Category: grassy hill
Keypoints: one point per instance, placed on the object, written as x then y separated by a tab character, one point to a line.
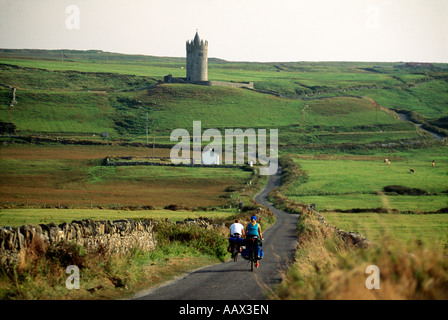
82	94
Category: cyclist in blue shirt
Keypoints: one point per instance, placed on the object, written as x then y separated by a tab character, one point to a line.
253	229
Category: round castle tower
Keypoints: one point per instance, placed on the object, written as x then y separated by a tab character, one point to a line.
197	52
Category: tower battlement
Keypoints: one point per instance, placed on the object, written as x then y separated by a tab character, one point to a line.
202	44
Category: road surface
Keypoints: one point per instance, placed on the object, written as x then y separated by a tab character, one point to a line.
234	280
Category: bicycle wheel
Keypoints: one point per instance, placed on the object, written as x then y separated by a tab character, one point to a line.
235	253
251	257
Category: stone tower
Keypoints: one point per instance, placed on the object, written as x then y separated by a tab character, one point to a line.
197	52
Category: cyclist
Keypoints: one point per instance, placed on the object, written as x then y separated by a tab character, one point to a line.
236	231
253	230
237	228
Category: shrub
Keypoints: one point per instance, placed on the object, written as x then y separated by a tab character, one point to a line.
67	253
207	241
401	190
176	207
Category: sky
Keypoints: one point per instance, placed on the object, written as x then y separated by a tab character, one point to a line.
236	30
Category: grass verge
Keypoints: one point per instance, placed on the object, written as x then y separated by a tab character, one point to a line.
327	268
431	230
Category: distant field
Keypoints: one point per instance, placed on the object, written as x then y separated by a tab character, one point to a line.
75	152
19	217
345	182
157	69
69	176
431	229
67	112
368	201
429	99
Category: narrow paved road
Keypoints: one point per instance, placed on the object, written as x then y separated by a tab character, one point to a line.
234	280
435	135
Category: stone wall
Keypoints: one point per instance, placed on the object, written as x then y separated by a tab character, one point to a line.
115	237
170	79
125	161
249	85
358	240
13	99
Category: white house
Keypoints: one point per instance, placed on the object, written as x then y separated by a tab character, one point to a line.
210	157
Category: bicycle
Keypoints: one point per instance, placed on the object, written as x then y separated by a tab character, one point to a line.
235	245
235	252
252	244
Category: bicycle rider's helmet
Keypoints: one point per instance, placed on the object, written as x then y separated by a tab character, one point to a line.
253	218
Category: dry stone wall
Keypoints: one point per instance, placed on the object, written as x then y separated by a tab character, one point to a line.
115	237
358	240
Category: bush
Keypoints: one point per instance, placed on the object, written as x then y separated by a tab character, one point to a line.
206	241
232	189
176	207
66	254
401	190
249	207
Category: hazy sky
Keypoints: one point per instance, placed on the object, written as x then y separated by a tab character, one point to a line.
240	30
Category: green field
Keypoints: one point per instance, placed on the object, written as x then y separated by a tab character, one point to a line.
428	99
74	176
349	191
430	229
347	182
19	217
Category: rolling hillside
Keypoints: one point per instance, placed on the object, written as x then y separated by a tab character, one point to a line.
83	94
